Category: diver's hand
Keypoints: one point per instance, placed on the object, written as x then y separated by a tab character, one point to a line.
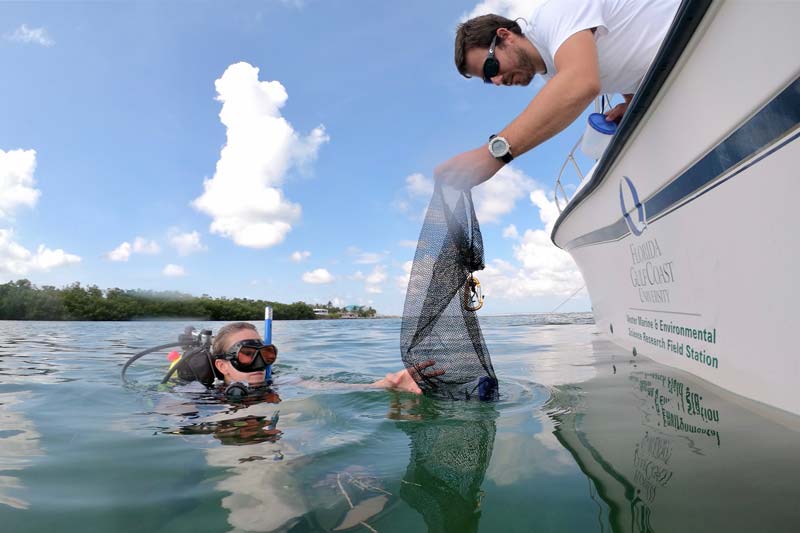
404	380
401	380
469	169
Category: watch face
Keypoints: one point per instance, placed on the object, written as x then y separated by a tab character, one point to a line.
498	147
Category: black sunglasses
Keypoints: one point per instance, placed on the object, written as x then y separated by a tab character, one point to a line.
491	66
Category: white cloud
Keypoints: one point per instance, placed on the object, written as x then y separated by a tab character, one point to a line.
543	268
511	232
173	271
373	283
418	185
402	205
17	189
416	195
548	212
507	8
540	268
493	199
16	260
27	35
369	258
120	253
143	246
503	280
300	256
16	181
402	281
498	196
365	258
318	277
186	243
407	244
244	197
140	245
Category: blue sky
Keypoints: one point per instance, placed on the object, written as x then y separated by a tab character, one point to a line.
280	150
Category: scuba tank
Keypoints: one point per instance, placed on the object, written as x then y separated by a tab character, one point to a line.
194	365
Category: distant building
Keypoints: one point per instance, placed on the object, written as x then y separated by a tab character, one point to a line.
321	312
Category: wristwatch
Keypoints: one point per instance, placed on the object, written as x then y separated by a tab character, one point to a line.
500	149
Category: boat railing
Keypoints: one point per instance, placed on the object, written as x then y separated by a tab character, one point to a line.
601	104
559	188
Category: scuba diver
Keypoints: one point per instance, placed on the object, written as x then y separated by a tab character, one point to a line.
240	358
237	356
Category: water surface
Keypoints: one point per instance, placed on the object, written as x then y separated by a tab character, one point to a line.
585	438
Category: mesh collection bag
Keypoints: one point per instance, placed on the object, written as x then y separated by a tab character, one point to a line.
439	320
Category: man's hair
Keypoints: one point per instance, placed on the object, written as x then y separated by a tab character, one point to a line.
218	348
478	33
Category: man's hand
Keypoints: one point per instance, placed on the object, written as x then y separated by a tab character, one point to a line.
406	380
469	169
616	112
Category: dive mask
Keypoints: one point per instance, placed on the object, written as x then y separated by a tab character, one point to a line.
251	355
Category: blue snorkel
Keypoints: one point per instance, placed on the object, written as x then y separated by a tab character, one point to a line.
268	340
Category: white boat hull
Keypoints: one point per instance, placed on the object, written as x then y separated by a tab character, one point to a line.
701	274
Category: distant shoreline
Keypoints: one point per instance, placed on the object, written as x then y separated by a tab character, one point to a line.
21	300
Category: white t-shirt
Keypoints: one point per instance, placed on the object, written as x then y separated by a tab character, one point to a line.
628	34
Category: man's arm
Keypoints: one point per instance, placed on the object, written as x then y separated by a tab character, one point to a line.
562	99
403	380
556	106
406	379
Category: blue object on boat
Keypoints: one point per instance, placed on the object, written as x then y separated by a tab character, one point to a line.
599	123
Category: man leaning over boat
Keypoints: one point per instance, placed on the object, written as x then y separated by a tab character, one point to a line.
582	48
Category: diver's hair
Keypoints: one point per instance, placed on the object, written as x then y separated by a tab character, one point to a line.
478	33
220	339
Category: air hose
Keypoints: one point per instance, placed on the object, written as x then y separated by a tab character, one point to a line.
142	354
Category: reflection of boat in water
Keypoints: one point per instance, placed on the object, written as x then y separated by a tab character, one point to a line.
684	233
658	446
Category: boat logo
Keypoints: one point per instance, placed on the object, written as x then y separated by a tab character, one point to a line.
635	217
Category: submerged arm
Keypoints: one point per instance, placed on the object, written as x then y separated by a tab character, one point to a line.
406	380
